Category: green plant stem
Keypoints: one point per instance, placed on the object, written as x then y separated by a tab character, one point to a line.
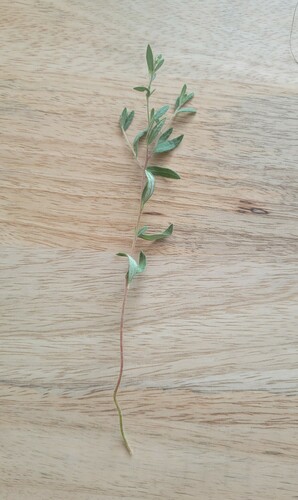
122	431
131	148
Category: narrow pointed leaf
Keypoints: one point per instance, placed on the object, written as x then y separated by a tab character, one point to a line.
163	172
132	266
155	131
141	89
177	103
159	64
148	189
160	112
142	230
137	139
149	58
142	262
158	236
165	146
165	135
123	117
186	110
186	98
128	120
183	90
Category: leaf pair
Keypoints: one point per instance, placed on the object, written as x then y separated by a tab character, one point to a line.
153	63
151	172
165	144
134	267
183	99
154	237
126	119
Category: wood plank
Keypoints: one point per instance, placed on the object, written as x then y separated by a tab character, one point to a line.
210	383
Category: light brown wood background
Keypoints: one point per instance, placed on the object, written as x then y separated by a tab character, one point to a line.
210	384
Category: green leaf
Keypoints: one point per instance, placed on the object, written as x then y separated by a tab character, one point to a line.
142	262
165	135
155	131
159	64
163	172
142	230
123	117
160	112
134	267
164	146
186	110
141	89
149	188
177	103
149	58
128	120
186	98
183	90
153	237
137	139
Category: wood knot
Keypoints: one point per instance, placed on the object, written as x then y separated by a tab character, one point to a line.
247	206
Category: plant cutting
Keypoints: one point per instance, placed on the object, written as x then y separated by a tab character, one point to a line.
157	139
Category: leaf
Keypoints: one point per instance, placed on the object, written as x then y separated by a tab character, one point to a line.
154	237
164	146
159	64
141	89
134	267
186	110
165	135
149	58
142	262
149	188
142	230
160	112
183	90
136	140
123	117
186	98
155	131
177	103
128	120
163	172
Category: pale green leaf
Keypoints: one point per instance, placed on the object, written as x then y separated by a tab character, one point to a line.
160	112
149	58
134	267
186	98
165	146
165	135
141	89
142	262
186	110
154	237
137	139
155	131
123	117
163	172
159	64
128	120
148	189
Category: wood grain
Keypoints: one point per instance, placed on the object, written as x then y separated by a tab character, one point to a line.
210	384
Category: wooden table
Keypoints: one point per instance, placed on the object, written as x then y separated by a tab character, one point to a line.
210	384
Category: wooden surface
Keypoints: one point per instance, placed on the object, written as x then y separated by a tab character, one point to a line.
210	385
